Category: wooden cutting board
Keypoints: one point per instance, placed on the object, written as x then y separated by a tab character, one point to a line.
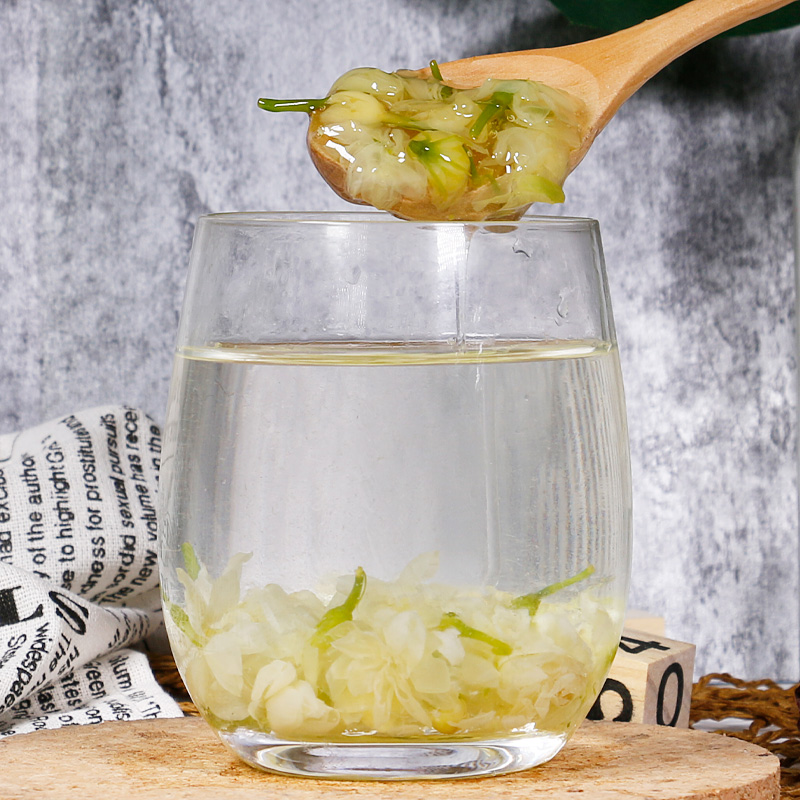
183	758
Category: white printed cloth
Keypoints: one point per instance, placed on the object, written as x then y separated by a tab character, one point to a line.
78	572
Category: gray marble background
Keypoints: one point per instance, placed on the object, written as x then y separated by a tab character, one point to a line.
121	122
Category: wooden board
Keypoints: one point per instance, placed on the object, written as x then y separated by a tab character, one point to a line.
182	758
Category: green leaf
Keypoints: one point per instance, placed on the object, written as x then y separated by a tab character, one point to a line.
181	619
190	560
614	15
539	190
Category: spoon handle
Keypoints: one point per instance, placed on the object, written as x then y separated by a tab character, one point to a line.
625	60
605	72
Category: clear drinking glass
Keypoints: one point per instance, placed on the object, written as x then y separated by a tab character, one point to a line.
395	499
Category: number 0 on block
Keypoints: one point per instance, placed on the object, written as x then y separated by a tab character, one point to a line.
650	681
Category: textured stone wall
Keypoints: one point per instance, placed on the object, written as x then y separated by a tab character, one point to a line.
121	122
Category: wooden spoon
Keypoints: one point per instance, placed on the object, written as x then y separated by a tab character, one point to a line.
605	72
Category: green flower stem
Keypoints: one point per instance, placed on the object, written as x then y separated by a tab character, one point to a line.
451	620
498	103
270	104
342	613
437	75
531	601
405	122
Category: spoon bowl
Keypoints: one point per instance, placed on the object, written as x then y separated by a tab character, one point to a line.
600	75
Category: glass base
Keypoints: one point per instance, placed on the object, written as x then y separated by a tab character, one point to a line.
394	761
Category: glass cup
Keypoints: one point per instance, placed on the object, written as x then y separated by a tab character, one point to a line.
395	497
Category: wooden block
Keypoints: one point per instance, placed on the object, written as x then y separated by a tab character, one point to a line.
644	621
650	681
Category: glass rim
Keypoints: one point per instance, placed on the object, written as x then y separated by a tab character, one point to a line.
267	218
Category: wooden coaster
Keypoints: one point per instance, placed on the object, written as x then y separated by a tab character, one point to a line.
183	758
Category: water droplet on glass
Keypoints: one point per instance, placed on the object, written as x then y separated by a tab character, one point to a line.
518	247
562	309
